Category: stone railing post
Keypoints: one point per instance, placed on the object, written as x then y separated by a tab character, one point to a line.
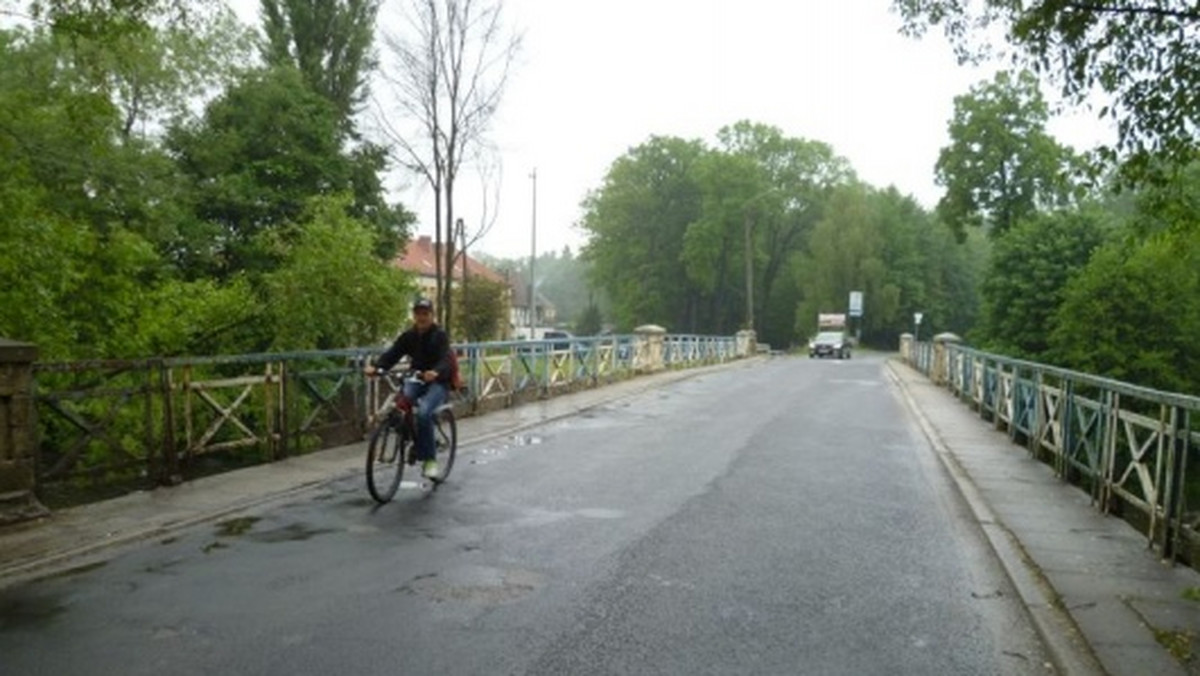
648	348
18	434
906	348
747	343
940	372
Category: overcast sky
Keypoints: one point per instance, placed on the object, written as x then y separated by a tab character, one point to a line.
598	77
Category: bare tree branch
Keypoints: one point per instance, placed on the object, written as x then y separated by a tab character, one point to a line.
448	74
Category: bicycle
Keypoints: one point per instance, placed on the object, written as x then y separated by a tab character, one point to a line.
393	444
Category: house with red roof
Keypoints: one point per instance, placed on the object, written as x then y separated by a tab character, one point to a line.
420	258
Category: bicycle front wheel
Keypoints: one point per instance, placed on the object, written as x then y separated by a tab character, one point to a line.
385	461
446	438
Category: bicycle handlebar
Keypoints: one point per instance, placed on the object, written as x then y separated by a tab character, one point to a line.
408	375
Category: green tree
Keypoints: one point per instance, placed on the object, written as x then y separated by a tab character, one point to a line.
562	278
903	260
927	271
41	259
845	254
1142	55
260	153
330	44
799	176
1001	166
157	73
716	245
636	223
82	273
1166	206
328	41
1131	314
79	294
590	322
180	317
330	290
108	19
482	309
1027	276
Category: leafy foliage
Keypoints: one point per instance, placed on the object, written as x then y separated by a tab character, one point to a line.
1001	166
115	246
671	224
262	150
590	322
330	291
1132	314
885	245
637	221
799	176
481	309
328	41
1142	55
108	19
1029	270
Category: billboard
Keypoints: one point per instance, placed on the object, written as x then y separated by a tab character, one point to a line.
831	321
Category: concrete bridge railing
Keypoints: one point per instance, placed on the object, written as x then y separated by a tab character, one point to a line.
74	432
1135	450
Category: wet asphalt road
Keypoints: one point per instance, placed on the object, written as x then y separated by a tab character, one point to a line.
780	518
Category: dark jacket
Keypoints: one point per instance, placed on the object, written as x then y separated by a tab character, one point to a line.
429	351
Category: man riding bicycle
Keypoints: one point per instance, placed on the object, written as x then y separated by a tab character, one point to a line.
428	348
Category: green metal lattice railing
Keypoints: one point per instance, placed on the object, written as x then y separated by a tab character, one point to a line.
1135	450
107	427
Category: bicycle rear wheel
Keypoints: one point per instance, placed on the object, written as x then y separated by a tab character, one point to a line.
445	436
385	461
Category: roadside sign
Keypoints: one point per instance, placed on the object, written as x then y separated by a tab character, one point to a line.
917	318
856	303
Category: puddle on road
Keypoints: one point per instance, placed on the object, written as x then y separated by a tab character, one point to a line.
486	455
78	570
29	612
474	584
239	526
600	513
358	503
164	567
296	532
244	527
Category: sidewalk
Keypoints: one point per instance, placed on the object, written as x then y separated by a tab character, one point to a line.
1100	598
82	536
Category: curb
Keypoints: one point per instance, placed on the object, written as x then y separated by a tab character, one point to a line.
1063	639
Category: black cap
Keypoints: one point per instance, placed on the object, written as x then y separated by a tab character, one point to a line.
422	304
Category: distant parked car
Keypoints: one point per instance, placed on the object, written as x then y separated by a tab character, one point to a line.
562	338
829	344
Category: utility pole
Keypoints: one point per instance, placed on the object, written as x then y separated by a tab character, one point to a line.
461	231
749	277
533	257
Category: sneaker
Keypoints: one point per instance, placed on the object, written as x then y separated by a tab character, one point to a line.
429	469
